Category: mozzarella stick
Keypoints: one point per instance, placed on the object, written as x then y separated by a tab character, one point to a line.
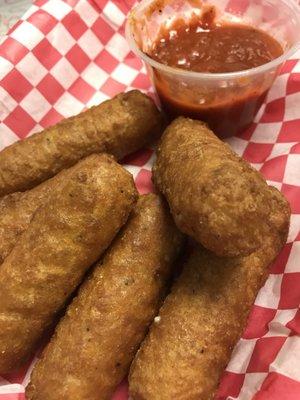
64	238
10	228
96	340
190	344
17	209
215	196
118	126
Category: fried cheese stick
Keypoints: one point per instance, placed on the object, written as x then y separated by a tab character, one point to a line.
118	126
17	209
187	350
64	238
96	340
215	196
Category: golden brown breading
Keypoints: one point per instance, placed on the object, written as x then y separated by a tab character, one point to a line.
13	221
118	127
97	339
17	209
189	346
214	195
64	238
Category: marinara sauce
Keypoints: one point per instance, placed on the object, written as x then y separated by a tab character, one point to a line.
204	46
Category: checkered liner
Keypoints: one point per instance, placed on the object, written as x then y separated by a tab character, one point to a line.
63	56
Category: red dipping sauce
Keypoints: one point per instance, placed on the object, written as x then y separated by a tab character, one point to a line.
203	46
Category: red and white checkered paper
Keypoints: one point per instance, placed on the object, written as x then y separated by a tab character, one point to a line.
63	56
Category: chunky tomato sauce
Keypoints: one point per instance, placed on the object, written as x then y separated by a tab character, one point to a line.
203	46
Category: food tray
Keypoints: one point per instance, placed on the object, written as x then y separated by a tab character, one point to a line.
64	56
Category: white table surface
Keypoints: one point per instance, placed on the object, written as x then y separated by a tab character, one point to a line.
10	12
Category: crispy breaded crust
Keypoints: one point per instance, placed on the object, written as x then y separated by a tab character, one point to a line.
186	352
118	126
214	195
13	221
64	238
98	337
17	209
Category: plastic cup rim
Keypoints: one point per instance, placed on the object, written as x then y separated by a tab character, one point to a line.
206	75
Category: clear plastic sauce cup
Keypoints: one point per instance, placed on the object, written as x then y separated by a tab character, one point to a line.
228	102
